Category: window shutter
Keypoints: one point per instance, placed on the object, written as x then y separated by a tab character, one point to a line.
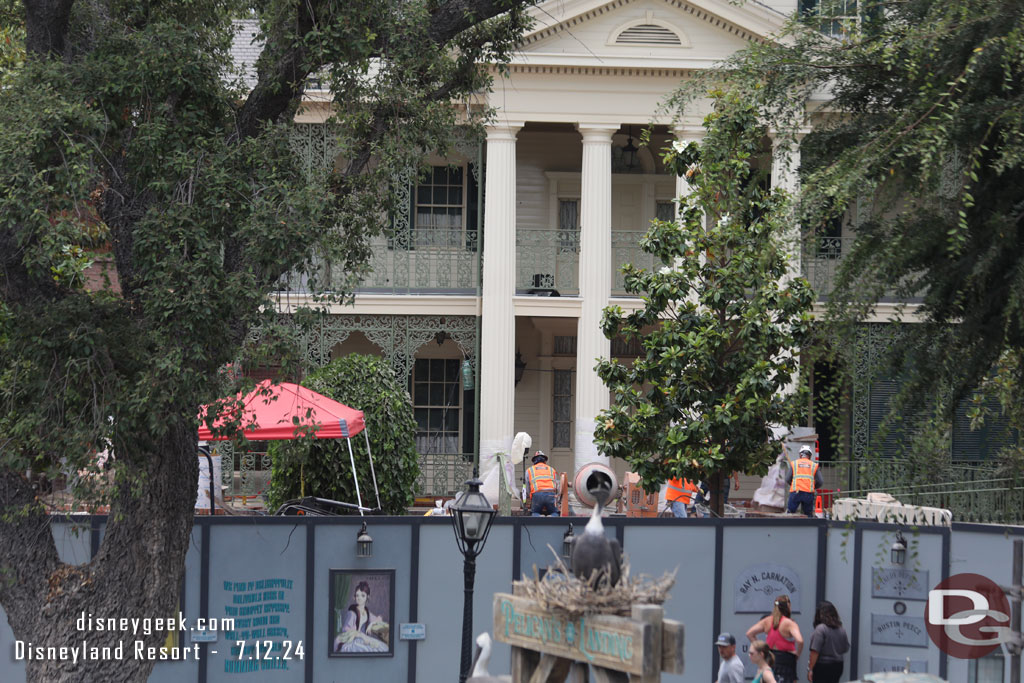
986	442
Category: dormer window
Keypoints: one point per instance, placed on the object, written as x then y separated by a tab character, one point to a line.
648	31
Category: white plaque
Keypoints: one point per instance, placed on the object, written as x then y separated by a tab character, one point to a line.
890	629
757	586
899	583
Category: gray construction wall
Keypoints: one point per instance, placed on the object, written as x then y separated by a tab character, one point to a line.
727	574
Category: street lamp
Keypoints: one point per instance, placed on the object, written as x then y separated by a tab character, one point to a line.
472	515
567	539
898	554
364	543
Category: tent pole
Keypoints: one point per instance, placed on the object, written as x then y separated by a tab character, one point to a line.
373	474
355	477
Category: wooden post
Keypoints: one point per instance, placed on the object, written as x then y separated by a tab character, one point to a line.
653	615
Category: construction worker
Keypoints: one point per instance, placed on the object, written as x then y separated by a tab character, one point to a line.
803	478
680	494
540	483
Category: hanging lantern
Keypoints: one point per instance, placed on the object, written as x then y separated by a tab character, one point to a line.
467	375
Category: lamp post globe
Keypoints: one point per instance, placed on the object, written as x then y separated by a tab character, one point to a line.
472	515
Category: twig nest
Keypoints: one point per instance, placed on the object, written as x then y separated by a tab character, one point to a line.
562	592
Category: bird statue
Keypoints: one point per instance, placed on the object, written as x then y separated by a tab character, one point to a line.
591	550
478	672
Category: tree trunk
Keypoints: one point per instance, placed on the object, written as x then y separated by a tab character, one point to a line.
136	572
717	504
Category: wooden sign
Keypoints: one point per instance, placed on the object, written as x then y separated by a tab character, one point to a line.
611	642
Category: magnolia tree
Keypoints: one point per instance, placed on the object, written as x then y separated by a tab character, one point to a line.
126	130
721	325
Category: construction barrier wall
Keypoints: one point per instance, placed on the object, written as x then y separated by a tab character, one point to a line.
728	571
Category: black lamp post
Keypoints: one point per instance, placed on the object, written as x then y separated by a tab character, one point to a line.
472	515
898	554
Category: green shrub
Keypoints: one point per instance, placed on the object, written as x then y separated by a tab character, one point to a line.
366	383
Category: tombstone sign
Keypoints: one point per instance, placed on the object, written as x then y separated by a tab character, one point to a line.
757	586
880	664
899	583
888	629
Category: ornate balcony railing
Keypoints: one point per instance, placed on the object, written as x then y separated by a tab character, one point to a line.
443	474
626	249
425	261
820	261
548	260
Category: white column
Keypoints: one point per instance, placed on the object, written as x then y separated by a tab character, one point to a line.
595	276
498	326
785	164
685	135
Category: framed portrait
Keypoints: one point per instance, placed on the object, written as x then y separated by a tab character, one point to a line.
361	613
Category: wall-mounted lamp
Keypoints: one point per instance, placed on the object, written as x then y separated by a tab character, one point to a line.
441	337
520	367
629	151
364	544
567	539
899	549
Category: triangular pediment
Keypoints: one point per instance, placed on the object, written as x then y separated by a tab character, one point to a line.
660	32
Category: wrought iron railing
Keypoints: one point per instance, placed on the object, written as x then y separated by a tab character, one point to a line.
548	261
820	261
972	491
242	474
626	249
424	261
443	474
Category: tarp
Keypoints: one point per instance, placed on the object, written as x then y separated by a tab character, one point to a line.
270	417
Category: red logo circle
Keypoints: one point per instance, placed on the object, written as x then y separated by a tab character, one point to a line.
967	616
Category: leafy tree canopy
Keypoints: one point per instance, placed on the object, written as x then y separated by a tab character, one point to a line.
721	321
127	129
918	131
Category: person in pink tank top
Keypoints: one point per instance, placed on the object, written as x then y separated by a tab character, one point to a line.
783	637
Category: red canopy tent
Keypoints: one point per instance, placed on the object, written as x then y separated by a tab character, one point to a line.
269	414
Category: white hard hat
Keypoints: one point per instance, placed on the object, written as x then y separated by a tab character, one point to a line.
807	450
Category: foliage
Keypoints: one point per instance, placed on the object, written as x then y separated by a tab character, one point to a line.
127	128
721	322
918	133
367	383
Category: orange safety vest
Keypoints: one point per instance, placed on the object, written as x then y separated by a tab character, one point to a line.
541	477
680	489
804	470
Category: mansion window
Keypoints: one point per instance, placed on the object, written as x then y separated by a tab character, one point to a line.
561	409
440	213
437	403
836	18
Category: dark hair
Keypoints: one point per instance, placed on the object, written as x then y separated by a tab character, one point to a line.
827	614
780	610
362	586
765	651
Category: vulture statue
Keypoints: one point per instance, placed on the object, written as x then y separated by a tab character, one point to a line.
591	550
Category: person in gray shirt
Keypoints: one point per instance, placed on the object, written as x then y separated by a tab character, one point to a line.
731	668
